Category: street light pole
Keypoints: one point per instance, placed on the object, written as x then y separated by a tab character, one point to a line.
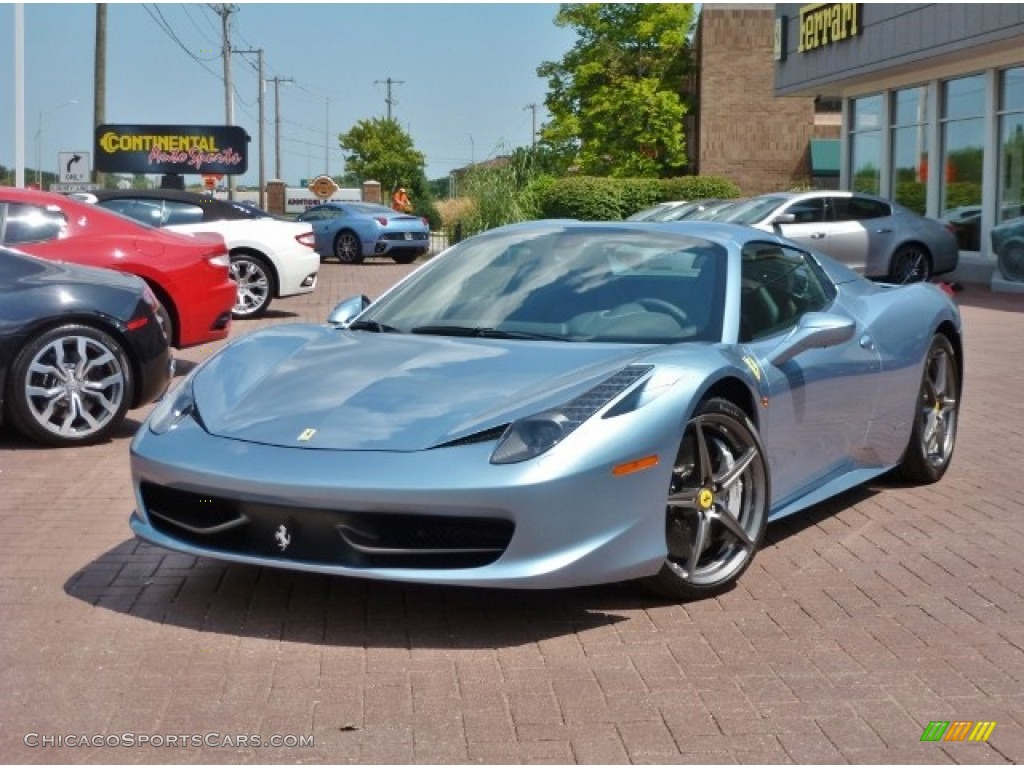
39	139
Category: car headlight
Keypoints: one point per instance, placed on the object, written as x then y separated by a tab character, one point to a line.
178	405
531	436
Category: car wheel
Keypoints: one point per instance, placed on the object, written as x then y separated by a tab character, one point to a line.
933	435
70	386
1011	262
348	248
255	286
717	504
910	264
404	257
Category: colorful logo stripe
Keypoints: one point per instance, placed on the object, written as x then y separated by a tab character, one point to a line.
958	730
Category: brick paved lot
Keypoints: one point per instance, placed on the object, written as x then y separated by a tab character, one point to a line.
858	623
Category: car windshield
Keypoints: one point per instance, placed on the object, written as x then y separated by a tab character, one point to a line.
571	283
370	209
752	211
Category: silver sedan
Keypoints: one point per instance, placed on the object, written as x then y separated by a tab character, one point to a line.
872	235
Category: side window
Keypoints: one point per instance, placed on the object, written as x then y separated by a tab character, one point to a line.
778	286
866	208
144	211
807	211
176	212
26	223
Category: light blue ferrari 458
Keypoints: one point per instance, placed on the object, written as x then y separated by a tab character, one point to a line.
555	404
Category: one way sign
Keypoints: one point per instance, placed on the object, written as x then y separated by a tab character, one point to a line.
75	167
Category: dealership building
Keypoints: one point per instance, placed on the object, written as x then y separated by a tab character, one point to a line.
931	105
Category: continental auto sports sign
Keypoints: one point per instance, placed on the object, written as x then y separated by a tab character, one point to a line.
171	149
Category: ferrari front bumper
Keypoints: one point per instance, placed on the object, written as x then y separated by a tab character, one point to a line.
440	516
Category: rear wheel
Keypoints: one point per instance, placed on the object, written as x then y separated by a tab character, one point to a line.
347	247
255	286
70	386
717	505
933	435
1011	262
910	264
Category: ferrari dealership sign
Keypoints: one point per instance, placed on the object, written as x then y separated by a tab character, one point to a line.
171	149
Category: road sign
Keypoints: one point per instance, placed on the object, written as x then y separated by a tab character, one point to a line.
323	187
81	186
74	167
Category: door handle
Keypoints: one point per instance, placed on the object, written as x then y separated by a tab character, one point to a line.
883	231
818	236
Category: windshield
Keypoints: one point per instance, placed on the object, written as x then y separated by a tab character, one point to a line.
571	283
752	211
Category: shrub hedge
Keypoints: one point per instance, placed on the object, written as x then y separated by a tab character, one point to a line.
591	198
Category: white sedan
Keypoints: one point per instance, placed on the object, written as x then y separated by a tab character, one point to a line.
270	258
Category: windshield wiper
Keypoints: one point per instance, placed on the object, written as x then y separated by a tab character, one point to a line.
372	325
484	333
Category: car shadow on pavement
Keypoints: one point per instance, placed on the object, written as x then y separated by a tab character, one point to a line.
157	585
153	584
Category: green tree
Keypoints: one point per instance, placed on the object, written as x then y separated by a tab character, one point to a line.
617	99
380	150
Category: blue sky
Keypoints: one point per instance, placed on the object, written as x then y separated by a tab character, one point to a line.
468	72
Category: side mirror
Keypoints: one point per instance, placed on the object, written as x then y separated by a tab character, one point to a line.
348	310
784	218
816	330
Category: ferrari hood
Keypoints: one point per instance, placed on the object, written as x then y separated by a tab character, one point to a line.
317	387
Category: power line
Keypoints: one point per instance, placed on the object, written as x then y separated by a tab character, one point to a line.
389	101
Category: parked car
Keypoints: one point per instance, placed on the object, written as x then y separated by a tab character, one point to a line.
695	209
712	210
655	211
78	347
188	274
351	232
554	404
874	236
1008	246
271	257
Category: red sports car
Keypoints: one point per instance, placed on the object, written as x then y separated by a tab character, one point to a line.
188	273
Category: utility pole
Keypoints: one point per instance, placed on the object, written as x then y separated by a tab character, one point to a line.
389	101
533	129
224	10
277	122
262	101
99	77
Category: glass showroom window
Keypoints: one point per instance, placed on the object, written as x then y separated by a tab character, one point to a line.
1011	144
866	144
963	151
909	179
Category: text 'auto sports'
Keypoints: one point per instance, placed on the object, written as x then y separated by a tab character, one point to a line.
78	348
555	404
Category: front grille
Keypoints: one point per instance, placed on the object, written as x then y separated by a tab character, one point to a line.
326	536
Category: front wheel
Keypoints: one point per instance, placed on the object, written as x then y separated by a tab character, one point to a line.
717	505
910	264
933	434
404	257
70	386
348	249
255	286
